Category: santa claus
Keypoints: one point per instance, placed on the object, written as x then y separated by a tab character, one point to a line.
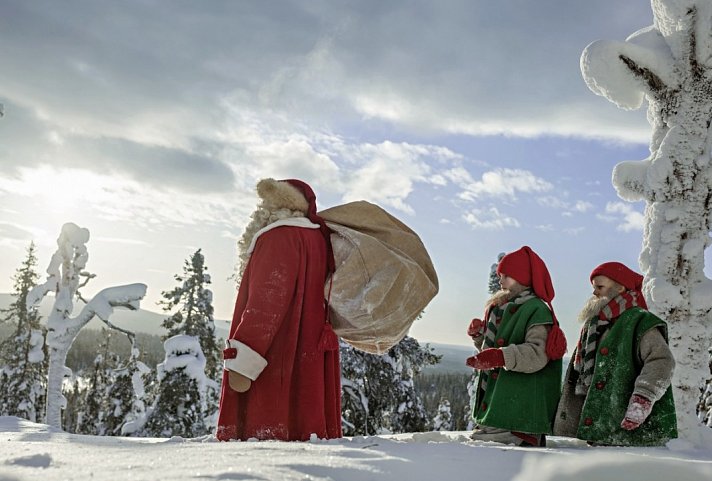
282	379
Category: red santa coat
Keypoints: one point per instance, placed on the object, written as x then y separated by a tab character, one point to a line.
280	313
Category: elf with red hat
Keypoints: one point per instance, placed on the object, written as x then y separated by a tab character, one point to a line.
282	378
520	366
617	386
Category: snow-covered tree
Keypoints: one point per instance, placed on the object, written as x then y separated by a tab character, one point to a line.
378	392
66	275
493	284
181	405
125	398
194	316
92	412
23	364
443	420
670	65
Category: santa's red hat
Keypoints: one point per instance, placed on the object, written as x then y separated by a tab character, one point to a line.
624	276
528	269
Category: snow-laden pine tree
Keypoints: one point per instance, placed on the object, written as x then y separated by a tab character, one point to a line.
23	363
378	392
181	406
493	284
194	316
443	420
65	276
91	418
125	399
354	394
670	65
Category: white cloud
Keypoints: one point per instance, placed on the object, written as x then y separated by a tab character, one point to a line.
501	182
553	202
120	240
569	208
582	206
489	219
62	193
387	172
628	219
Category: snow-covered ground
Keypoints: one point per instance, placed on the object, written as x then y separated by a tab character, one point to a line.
31	451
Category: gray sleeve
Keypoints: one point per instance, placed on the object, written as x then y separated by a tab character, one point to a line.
658	366
529	356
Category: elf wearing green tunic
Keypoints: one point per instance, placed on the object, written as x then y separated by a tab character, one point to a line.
617	387
520	368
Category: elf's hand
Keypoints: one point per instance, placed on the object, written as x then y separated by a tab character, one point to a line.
487	359
476	328
639	409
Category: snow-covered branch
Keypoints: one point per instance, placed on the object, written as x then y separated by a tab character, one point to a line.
624	72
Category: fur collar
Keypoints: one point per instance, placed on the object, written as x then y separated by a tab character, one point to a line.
291	221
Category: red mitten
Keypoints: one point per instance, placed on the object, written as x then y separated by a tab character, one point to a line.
476	328
638	411
487	359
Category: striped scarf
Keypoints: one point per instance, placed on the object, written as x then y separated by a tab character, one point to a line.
494	317
591	332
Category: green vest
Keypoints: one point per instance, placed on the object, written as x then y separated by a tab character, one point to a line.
514	400
617	367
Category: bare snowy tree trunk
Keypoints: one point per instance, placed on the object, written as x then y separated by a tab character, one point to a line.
64	274
663	62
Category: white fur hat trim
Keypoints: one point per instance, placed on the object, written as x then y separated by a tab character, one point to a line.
248	362
281	195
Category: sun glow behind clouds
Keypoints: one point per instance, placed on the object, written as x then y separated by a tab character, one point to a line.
48	197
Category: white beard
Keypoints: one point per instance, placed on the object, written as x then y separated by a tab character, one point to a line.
260	218
592	307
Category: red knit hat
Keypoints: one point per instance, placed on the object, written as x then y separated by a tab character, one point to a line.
624	276
527	268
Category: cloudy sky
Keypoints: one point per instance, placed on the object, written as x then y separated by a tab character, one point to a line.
149	122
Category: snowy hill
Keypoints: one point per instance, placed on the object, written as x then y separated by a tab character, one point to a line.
452	361
31	451
144	321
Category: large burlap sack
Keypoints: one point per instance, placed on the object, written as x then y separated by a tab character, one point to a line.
384	276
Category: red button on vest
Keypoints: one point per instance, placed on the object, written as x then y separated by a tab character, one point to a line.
513	309
500	342
600	385
588	421
483	407
604	351
494	375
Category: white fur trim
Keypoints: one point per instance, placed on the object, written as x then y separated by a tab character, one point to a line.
248	362
291	221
